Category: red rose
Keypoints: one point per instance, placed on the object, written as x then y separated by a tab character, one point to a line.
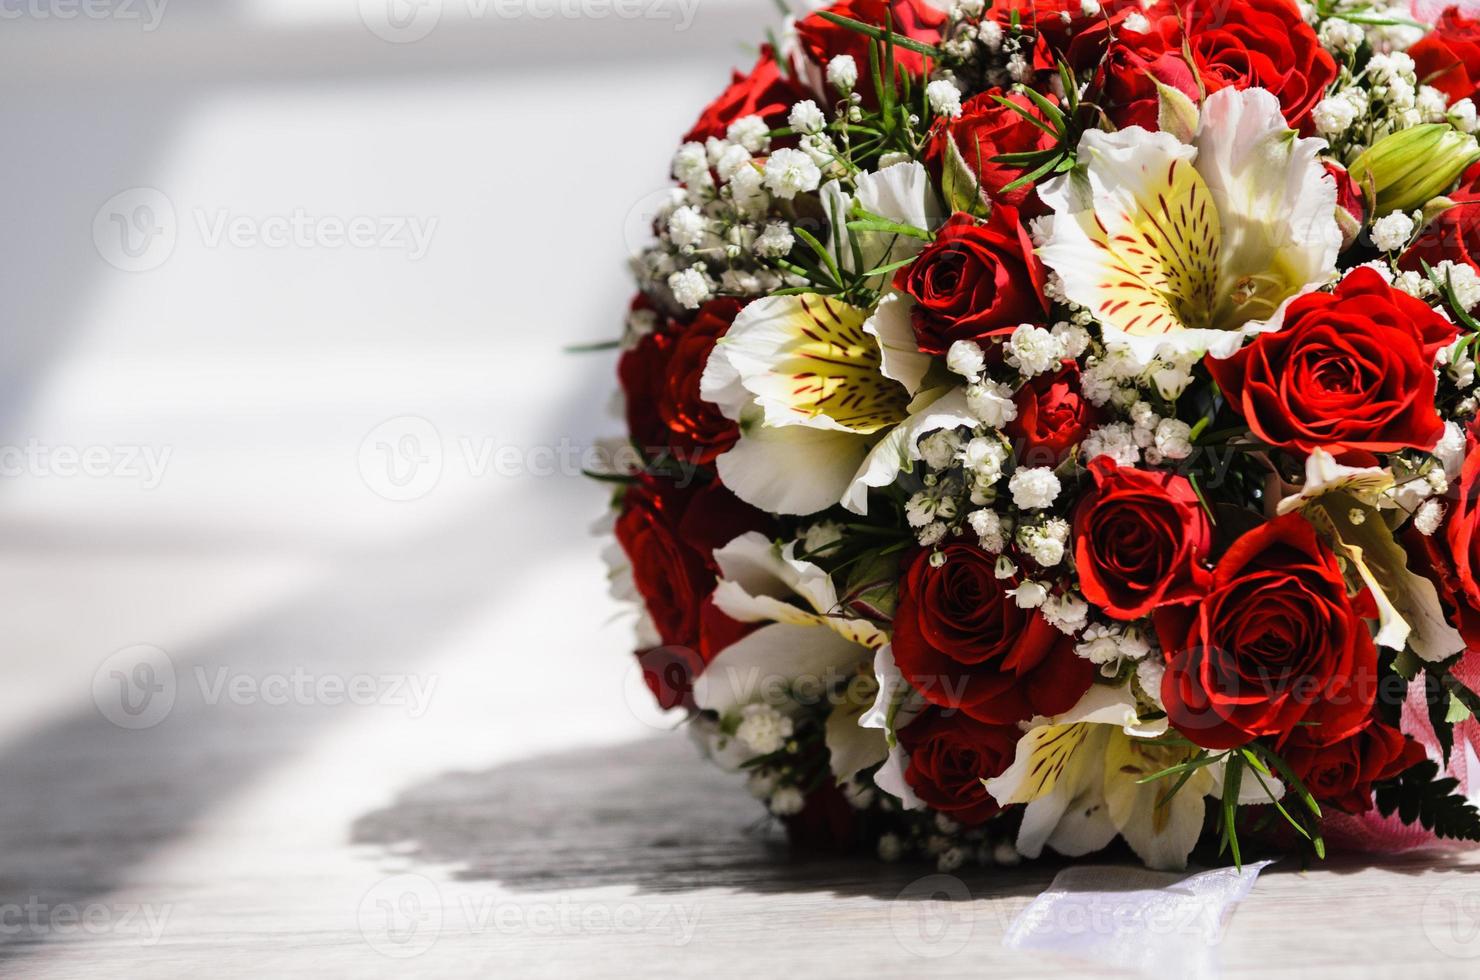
986	129
974	281
1453	235
1256	44
914	19
672	577
1052	417
950	754
962	642
1251	44
1342	774
1133	65
1065	31
1448	57
764	92
669	534
1140	540
1351	372
1451	556
1277	643
660	378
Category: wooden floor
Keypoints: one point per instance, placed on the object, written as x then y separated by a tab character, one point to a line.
635	860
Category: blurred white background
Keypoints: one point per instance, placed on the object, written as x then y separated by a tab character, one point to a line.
212	404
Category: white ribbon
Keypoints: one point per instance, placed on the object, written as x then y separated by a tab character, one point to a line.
1152	921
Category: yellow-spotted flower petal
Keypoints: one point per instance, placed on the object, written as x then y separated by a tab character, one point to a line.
814	384
1195	245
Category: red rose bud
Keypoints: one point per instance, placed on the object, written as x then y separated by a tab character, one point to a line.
963	642
1277	644
949	757
1052	417
976	280
1351	372
1448	57
962	151
1133	67
1351	216
1140	540
1342	774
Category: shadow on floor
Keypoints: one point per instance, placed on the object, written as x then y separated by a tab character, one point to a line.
650	814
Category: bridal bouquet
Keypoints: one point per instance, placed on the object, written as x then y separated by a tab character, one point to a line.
1058	425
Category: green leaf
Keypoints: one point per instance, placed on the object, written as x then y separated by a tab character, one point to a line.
1260	771
1437	700
592	348
1033	175
959	183
1462	694
890	267
1420	796
1232	782
1027	114
880	34
821	252
885	226
1291	780
1050	110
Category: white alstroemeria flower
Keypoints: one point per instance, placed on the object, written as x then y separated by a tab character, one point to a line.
1078	774
901	193
895	705
1194	245
806	650
1323	474
814	384
759	581
900	449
